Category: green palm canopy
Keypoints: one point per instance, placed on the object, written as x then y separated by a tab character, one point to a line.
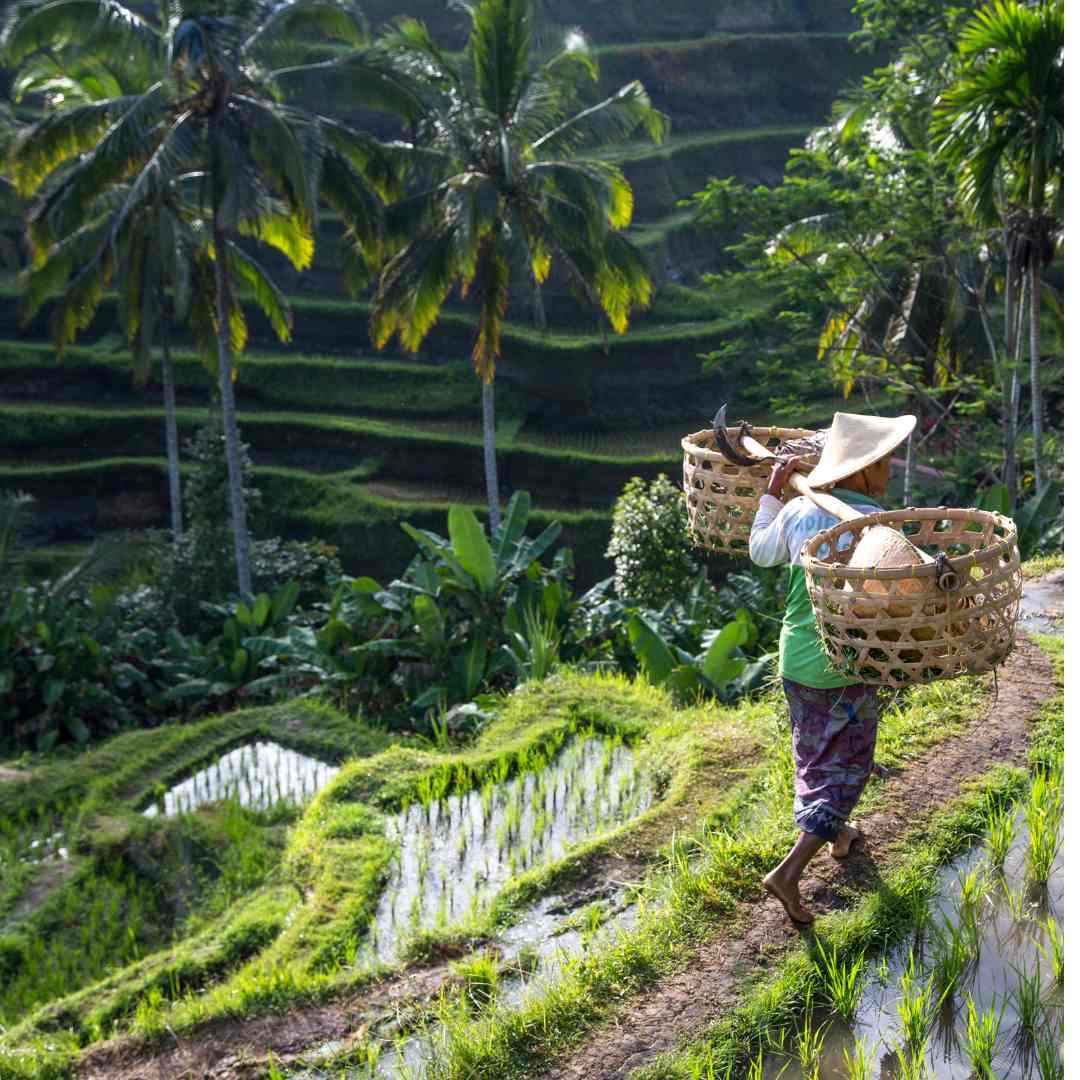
505	172
178	140
1001	125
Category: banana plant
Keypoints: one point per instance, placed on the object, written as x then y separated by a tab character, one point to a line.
712	670
1040	521
233	663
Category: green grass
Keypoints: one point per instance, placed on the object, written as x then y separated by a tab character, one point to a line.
249	959
1042	565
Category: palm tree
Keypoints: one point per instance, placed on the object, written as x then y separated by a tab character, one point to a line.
504	176
1001	125
203	126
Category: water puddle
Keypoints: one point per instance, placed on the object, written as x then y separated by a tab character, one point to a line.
456	854
532	953
1011	944
1042	605
258	776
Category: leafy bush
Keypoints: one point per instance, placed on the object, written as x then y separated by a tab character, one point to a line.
650	543
73	665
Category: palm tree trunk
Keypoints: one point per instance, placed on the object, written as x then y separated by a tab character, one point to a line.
1011	390
228	419
491	476
1035	331
909	469
172	442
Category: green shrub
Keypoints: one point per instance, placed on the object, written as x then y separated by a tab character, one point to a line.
650	543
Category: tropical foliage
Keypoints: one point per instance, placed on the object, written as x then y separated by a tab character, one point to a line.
509	177
157	173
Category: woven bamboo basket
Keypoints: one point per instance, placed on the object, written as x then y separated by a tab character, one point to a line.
894	626
722	497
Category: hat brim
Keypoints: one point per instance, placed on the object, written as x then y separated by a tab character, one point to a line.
821	476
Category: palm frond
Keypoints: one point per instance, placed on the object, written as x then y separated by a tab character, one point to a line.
614	119
493	294
346	192
58	138
273	303
412	288
499	49
287	151
337	20
103	26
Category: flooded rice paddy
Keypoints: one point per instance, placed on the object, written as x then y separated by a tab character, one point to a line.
455	854
974	992
257	776
1042	605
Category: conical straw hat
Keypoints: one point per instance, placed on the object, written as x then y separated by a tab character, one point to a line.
856	441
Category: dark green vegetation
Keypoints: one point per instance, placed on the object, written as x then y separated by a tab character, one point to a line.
265	909
739	91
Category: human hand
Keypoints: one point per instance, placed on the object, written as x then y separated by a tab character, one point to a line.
781	474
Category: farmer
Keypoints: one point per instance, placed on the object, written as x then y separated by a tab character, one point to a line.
833	718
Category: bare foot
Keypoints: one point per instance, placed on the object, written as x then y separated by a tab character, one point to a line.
788	895
841	846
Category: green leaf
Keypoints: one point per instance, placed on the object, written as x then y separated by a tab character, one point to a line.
684	681
472	548
653	655
238	665
994	498
430	622
79	731
53	691
514	522
284	602
260	610
718	664
468	668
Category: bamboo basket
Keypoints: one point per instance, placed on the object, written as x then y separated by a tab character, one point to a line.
722	497
893	626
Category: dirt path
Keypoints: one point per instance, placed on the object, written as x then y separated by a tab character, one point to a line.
661	1017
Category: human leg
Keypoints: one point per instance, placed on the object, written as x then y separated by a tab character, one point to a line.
832	739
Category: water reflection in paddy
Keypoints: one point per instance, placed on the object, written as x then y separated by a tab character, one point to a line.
455	854
258	776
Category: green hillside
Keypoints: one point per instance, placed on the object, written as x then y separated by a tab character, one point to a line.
351	440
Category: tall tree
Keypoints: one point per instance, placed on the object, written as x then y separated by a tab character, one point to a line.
507	170
205	114
1002	126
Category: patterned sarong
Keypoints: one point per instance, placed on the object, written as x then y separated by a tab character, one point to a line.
832	740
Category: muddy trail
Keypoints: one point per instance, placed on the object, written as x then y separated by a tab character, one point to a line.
657	1020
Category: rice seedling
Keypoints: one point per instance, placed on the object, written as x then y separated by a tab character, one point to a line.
1049	1062
974	890
756	1067
980	1038
857	1061
1027	1001
1055	940
954	949
809	1042
479	975
916	1010
842	979
1044	810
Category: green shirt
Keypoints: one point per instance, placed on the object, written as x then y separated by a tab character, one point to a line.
802	656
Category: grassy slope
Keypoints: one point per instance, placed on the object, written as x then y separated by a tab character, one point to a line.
335	854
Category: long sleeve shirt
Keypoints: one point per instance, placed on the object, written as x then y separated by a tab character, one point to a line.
777	537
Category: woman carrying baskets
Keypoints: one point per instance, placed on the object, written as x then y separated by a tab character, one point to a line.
833	718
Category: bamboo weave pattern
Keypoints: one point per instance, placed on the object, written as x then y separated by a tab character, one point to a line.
722	497
895	627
